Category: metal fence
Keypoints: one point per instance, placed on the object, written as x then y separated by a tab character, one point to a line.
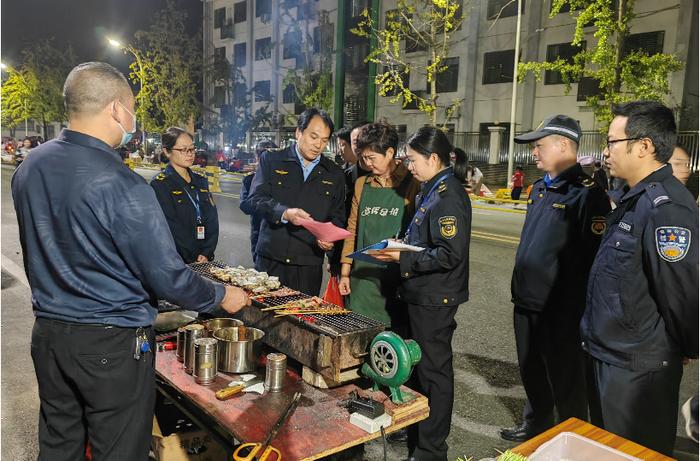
476	145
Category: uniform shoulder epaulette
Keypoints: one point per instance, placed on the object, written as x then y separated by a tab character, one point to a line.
657	194
442	187
586	181
160	176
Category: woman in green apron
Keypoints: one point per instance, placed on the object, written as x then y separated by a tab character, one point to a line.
381	207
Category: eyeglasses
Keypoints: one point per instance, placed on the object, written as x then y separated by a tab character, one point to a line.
610	142
185	150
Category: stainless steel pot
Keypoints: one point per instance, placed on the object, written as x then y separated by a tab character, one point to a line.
239	348
212	325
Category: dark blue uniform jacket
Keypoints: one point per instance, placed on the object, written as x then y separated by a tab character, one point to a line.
171	190
642	303
279	184
438	275
560	237
96	246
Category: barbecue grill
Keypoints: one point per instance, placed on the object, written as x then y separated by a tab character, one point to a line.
334	346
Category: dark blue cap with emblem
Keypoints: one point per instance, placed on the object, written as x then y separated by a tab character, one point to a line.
556	124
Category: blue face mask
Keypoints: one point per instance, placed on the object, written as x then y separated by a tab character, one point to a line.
126	135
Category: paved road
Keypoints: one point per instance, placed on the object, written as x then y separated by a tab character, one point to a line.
488	390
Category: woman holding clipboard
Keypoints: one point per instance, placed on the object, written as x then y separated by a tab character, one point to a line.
435	280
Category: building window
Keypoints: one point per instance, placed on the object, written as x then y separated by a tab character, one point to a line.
358	6
587	87
239	12
219	96
358	53
564	51
239	94
447	80
289	95
239	54
289	4
323	38
413	46
503	8
262	48
649	43
220	54
306	10
498	67
262	90
219	17
263	8
291	46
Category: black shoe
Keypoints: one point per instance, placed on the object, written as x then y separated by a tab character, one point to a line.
520	433
400	436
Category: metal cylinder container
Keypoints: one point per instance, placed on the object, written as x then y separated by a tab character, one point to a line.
204	368
239	348
180	351
212	325
192	332
275	371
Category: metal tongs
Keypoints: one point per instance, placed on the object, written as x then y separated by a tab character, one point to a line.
248	451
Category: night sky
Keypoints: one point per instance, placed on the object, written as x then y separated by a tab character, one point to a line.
84	24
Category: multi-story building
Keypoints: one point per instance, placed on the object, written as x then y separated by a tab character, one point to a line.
252	35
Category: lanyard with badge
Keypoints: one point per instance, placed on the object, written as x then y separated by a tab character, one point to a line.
198	213
420	211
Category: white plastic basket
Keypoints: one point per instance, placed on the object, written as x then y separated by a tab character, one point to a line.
568	446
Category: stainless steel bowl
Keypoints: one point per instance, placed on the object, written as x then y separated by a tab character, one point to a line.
213	325
239	348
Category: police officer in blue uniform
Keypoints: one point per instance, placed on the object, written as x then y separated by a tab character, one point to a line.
185	199
86	225
641	318
435	281
563	226
290	185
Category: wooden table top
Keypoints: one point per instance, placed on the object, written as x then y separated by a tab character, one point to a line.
594	433
317	428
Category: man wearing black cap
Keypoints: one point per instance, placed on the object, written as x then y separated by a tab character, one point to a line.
564	222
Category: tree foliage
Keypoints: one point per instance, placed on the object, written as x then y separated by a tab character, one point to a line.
34	90
168	67
311	79
235	117
622	75
426	25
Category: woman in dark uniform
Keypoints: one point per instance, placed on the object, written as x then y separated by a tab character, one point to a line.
185	199
435	280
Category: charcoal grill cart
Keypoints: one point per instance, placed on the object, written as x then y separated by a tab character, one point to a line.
332	348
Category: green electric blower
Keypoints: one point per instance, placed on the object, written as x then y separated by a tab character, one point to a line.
390	363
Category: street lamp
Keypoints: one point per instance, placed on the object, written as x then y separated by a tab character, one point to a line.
130	49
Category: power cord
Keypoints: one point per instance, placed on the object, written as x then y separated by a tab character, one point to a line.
381	428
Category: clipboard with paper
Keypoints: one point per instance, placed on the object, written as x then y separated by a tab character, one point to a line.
365	254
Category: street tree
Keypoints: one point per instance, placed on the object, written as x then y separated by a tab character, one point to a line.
415	25
169	71
621	72
34	90
309	41
235	101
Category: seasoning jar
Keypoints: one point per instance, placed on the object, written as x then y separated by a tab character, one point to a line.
275	371
192	332
204	367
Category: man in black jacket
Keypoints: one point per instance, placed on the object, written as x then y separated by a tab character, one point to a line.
290	185
641	318
564	222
